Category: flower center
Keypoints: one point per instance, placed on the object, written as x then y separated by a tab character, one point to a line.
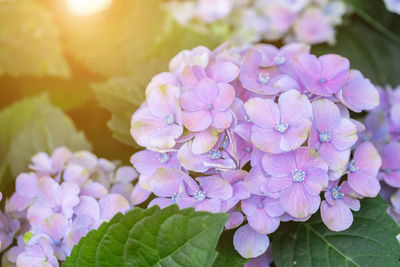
336	194
215	154
266	174
322	80
387	170
57	209
324	137
200	196
174	197
298	175
247	149
164	157
225	142
247	118
263	78
57	243
169	119
279	60
260	205
209	107
181	88
281	127
352	166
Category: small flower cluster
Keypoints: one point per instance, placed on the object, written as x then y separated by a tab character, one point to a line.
308	21
259	133
383	129
393	6
64	197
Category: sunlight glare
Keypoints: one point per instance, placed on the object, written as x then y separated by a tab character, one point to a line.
87	7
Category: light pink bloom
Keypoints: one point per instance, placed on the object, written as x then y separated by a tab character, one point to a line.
335	209
323	76
299	177
332	135
363	170
287	125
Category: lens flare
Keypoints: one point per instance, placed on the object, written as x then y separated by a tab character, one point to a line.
87	7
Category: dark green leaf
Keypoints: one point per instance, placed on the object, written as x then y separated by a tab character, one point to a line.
152	237
376	56
30	126
370	241
375	13
29	41
227	255
120	96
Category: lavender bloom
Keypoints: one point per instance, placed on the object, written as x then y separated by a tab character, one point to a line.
288	117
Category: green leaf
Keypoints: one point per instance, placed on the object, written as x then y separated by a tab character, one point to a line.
375	13
376	56
30	126
370	241
120	96
152	237
29	41
227	255
112	42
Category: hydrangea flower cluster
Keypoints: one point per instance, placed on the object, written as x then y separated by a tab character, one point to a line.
261	133
383	129
308	21
64	197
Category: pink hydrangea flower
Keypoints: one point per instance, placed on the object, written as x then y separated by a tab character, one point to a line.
331	134
67	195
323	76
287	126
363	170
158	123
358	93
288	116
299	177
262	213
210	194
148	162
314	27
336	208
39	253
207	105
256	76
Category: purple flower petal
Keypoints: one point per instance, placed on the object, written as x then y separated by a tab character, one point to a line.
338	217
257	107
216	187
249	243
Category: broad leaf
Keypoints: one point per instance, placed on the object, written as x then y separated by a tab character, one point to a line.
370	241
120	96
29	41
30	126
152	237
375	13
375	55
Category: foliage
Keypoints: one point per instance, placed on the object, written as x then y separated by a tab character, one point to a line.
152	237
30	126
371	240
